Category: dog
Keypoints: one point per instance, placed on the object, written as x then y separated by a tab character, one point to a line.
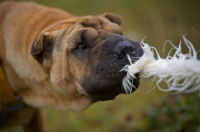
57	60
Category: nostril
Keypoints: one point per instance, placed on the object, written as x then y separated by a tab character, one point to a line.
124	51
120	55
123	48
132	50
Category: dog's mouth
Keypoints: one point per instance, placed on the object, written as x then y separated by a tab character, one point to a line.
113	90
106	82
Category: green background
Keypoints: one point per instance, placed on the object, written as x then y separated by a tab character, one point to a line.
144	110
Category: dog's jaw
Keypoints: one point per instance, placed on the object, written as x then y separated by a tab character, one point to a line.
113	91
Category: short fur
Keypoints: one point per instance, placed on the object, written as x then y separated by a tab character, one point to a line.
50	57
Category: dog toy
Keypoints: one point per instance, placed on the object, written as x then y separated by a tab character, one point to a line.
180	72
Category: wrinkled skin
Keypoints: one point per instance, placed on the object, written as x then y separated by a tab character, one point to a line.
101	52
63	61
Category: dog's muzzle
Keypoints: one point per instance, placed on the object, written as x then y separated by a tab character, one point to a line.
105	80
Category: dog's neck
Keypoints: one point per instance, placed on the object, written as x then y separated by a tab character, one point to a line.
7	96
9	103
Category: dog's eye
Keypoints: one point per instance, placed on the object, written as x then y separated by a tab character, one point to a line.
81	47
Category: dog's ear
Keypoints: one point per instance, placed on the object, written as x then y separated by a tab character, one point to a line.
42	47
112	17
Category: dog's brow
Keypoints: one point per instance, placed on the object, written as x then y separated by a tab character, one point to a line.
59	39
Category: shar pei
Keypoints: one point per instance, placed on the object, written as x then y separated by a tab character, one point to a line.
54	59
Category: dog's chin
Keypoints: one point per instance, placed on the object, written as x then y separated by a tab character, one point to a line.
108	89
107	94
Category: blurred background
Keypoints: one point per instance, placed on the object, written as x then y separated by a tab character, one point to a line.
144	110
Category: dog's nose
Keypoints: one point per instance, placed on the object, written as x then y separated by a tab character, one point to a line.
123	48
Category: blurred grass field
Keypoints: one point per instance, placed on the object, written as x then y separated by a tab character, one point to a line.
157	20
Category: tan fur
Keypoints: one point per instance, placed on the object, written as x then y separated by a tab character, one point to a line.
30	80
39	85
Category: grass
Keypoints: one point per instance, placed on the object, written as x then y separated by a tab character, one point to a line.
157	20
122	113
175	114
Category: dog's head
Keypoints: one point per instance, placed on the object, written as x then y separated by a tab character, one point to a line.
84	57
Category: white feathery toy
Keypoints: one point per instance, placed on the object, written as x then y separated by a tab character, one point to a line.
180	72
